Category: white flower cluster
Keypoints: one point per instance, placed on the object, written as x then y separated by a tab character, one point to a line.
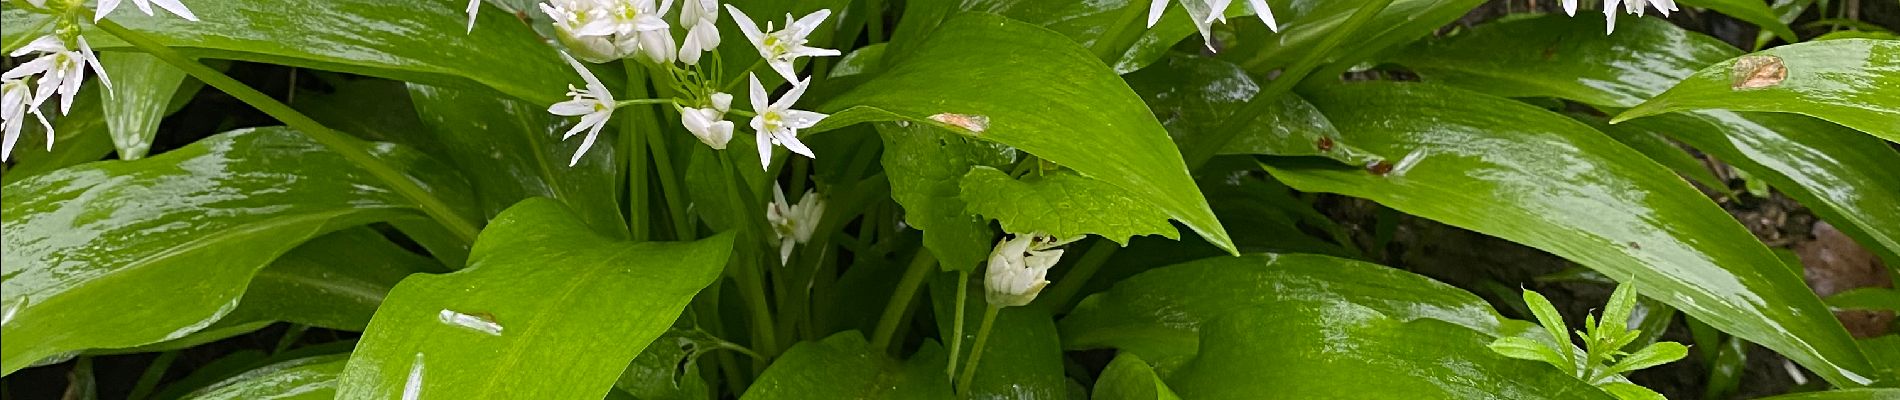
61	67
1632	7
1205	12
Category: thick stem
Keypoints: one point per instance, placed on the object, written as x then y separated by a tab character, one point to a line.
899	305
976	350
750	277
350	148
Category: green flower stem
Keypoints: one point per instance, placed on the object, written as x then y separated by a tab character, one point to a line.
976	350
670	187
749	276
874	10
633	120
899	305
740	78
350	148
1065	289
1198	153
956	330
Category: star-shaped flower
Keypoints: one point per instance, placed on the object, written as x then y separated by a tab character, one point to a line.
1205	12
61	69
595	105
781	47
777	123
172	6
16	100
1633	7
793	223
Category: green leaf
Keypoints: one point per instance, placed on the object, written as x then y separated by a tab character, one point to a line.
1023	357
1030	78
1752	11
1062	204
1657	146
1307	326
1116	32
1193	96
1867	298
545	309
1842	394
1130	378
141	94
1553	323
1616	313
844	366
1305	23
1844	81
416	41
925	165
1527	349
1845	177
1655	354
1524	174
513	151
1630	391
124	253
667	370
310	378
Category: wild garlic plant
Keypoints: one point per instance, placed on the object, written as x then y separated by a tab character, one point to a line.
1017	199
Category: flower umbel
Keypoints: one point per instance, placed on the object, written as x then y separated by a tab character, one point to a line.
781	47
1205	12
1018	268
172	6
777	123
61	69
793	223
709	123
16	100
594	105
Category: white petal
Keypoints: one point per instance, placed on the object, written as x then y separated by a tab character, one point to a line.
586	143
1570	7
792	96
594	86
45	126
802	51
44	44
784	69
1155	9
751	30
30	68
720	133
145	6
178	9
765	147
799	119
649	22
790	139
721	102
92	60
105	7
1266	14
785	250
475	6
804	26
759	99
572	108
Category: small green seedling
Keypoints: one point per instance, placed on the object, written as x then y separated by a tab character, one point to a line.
1604	360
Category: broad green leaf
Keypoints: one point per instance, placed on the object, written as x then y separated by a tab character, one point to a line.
1193	95
1658	147
311	378
1524	174
417	41
667	370
513	151
1867	298
844	366
1846	81
1063	204
1307	326
1008	82
1845	177
1023	357
1631	391
1305	23
124	253
1753	11
926	165
141	94
1842	394
545	309
1130	378
1117	32
80	137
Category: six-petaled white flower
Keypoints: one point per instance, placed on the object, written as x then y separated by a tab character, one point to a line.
172	6
781	47
61	69
700	18
777	123
793	223
594	104
1205	12
584	27
16	101
1019	267
1633	7
709	122
639	29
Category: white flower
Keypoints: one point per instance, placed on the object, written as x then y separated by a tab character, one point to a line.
173	6
61	69
1633	7
777	123
16	100
781	47
793	223
708	123
584	27
594	105
700	18
1018	268
1205	12
473	7
639	28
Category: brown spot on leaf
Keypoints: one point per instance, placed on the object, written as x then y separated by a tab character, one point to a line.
1379	168
1758	71
1325	143
976	124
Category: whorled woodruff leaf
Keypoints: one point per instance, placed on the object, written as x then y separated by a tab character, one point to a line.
545	309
118	254
1063	204
925	165
1847	81
1524	174
416	41
1305	326
844	366
1004	81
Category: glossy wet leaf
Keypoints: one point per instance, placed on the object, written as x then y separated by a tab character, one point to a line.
1846	81
1117	32
1841	394
1305	23
124	253
1304	326
926	165
310	378
1524	174
843	366
1867	298
1029	77
417	41
1846	178
513	151
1193	96
1754	12
1062	204
545	309
142	88
1657	147
1023	358
667	370
1129	378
